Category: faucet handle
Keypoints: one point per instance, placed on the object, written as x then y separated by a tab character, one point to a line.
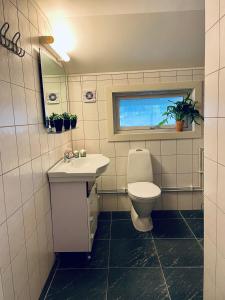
66	157
83	153
76	154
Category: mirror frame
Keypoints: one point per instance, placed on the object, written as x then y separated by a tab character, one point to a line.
42	91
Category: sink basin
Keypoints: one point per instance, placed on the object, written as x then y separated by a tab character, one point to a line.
79	169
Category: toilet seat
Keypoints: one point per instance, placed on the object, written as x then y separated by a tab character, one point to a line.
141	191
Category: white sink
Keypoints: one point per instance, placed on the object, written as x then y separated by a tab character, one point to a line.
79	169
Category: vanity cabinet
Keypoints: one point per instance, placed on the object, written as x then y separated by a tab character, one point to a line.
74	201
75	211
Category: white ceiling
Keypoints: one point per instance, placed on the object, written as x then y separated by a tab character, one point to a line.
75	8
113	35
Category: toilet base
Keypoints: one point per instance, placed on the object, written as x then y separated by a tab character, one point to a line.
141	224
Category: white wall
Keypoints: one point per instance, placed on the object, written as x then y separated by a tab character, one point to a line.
26	152
175	162
214	200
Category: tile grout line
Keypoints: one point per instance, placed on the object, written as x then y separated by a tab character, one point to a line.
107	286
135	268
161	267
191	230
50	284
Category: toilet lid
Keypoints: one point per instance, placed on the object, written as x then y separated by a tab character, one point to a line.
144	190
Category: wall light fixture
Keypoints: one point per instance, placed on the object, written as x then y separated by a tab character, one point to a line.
48	43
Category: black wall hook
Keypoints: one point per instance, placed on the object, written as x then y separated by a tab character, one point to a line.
11	45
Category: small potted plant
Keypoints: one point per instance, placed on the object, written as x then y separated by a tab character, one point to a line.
58	122
73	121
66	120
51	119
181	111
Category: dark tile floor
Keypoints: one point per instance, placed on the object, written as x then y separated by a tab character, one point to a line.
126	264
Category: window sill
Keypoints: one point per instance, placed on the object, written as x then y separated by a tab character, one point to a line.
155	135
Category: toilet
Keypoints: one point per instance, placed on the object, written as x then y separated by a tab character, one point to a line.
142	192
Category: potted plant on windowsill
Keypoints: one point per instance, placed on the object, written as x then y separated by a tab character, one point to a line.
66	120
58	122
181	111
73	121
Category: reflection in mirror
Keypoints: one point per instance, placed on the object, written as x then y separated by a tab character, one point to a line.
54	87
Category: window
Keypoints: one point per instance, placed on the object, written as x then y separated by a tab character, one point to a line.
144	111
134	112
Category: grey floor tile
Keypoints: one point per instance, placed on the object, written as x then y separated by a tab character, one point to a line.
105	215
197	226
177	253
192	213
103	230
171	228
99	257
121	215
201	241
141	284
167	214
185	283
48	281
77	284
134	272
133	253
124	229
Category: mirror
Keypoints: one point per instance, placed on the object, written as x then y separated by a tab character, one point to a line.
54	87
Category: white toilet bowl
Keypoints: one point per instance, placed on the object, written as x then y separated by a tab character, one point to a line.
143	196
141	190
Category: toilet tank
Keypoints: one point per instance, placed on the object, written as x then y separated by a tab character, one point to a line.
139	166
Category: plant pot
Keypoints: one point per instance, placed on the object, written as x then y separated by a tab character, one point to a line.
52	123
47	122
73	123
58	125
67	124
179	125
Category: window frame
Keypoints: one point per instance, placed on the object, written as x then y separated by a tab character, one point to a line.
150	133
146	94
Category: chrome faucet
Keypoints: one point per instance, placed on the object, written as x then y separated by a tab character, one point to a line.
66	157
68	154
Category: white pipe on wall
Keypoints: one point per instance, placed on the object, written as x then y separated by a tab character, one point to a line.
163	189
170	189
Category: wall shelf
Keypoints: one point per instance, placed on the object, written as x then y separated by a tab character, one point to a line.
54	132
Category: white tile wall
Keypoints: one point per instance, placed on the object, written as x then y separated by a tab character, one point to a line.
214	203
220	273
212	49
221	187
175	162
212	13
209	269
222	42
211	137
26	153
211	92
